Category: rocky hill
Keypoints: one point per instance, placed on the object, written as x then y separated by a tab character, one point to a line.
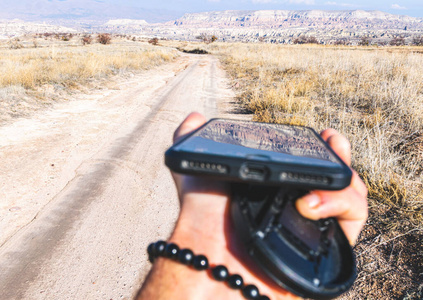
283	26
273	26
288	19
15	28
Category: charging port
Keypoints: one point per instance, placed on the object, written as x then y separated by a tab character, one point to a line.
253	172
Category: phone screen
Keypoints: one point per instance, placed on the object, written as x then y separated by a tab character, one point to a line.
274	142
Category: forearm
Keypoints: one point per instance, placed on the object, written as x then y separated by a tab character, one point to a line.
210	235
169	279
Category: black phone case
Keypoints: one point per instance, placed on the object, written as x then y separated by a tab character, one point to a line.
257	169
312	259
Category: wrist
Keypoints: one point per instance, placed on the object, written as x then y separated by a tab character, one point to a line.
202	224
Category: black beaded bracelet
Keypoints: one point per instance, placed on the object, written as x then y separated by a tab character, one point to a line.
200	263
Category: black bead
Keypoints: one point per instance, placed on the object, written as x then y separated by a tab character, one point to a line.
159	248
171	251
220	273
250	292
186	256
235	282
263	297
151	252
200	263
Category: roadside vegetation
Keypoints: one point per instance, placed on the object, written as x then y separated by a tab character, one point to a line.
34	71
374	96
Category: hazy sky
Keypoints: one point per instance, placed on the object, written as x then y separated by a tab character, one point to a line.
403	7
168	10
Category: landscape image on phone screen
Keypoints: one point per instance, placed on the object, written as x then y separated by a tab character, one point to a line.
259	138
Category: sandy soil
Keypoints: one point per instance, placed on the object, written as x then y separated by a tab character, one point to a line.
83	186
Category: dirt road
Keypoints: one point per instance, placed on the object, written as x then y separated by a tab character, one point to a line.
83	186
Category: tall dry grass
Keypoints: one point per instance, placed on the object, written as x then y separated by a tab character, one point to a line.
375	98
69	65
31	78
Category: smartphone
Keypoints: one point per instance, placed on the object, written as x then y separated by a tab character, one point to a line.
252	152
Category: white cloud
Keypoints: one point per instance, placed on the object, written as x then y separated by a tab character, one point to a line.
213	1
396	6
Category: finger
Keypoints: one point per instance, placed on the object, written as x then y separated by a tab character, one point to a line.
325	134
342	147
349	206
338	143
191	122
358	184
349	203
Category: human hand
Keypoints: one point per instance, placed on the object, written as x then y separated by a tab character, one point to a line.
204	223
349	205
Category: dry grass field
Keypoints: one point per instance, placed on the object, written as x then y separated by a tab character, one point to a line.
374	96
35	72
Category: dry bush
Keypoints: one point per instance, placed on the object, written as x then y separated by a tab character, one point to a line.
86	40
206	38
305	40
375	98
397	41
104	38
15	44
154	41
365	41
418	40
342	42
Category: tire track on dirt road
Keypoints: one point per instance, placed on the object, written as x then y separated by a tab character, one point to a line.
89	241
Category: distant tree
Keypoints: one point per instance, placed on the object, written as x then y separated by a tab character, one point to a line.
202	37
207	39
365	41
418	40
104	38
86	40
154	41
312	40
305	40
397	41
48	35
341	42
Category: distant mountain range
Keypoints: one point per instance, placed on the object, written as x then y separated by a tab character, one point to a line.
287	18
283	26
278	26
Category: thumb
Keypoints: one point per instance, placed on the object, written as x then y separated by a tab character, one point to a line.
193	121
